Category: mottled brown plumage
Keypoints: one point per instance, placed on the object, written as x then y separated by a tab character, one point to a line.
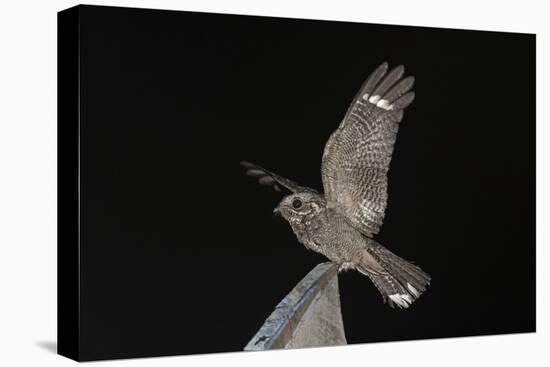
340	224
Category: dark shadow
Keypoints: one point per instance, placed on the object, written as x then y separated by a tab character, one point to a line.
50	346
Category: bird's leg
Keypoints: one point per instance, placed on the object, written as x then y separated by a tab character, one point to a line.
345	266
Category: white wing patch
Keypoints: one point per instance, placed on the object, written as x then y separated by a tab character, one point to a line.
384	104
374	99
381	103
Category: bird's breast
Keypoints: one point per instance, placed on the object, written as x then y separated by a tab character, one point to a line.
307	232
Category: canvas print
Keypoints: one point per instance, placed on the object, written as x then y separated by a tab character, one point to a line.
396	171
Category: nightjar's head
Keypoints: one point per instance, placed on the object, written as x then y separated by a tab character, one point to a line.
301	206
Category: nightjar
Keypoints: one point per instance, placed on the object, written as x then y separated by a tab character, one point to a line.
341	222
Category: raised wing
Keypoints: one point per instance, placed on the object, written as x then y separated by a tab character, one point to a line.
268	178
357	155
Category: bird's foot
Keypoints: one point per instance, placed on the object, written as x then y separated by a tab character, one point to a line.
345	266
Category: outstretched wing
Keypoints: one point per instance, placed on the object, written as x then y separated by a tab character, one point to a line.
357	155
268	178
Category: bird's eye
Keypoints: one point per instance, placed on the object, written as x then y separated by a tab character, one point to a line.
296	203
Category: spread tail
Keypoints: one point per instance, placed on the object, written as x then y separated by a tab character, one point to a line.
401	282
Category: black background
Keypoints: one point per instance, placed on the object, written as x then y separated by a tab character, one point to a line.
180	251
